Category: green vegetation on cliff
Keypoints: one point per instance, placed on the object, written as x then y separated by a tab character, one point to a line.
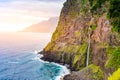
115	75
114	58
70	40
114	14
93	27
96	4
94	72
77	33
72	11
80	57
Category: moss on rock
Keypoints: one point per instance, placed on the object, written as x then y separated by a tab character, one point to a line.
115	75
92	72
96	73
114	14
81	51
93	27
114	58
77	33
80	57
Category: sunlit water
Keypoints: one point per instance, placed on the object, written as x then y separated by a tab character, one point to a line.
19	61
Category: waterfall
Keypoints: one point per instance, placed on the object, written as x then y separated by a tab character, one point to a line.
88	51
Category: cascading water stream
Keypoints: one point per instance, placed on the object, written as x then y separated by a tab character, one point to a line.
88	51
89	41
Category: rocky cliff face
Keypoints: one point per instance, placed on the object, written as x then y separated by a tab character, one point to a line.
82	21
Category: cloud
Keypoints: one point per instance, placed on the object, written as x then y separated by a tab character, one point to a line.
44	8
52	0
33	0
26	12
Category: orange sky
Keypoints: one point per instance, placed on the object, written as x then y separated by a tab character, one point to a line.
15	15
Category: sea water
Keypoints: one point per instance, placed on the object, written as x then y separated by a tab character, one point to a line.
19	59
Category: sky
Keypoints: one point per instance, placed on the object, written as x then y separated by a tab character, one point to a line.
15	15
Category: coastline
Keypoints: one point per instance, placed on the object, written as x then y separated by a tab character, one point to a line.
64	71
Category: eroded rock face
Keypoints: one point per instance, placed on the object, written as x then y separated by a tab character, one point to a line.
69	42
71	36
103	30
91	72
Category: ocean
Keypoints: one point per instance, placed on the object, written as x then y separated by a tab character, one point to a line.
19	59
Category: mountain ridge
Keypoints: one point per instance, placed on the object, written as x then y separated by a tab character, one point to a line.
47	26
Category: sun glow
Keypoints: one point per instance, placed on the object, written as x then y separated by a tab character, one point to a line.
10	28
15	15
12	22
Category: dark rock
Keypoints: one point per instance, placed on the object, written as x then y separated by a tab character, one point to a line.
91	72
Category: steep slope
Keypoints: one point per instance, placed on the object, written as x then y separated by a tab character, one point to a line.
44	26
81	22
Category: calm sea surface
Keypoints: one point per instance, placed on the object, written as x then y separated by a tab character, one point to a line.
19	61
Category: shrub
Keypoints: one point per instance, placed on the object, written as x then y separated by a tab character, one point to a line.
114	14
114	60
115	75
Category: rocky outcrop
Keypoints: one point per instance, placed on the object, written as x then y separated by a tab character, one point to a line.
69	43
91	72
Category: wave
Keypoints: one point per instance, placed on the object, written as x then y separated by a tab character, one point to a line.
36	51
2	70
64	70
13	62
38	58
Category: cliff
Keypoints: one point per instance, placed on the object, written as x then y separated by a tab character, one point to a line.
87	26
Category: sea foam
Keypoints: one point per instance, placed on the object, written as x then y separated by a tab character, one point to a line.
64	70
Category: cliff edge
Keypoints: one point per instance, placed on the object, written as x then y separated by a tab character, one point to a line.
87	38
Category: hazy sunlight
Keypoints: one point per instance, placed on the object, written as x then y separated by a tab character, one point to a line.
16	15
